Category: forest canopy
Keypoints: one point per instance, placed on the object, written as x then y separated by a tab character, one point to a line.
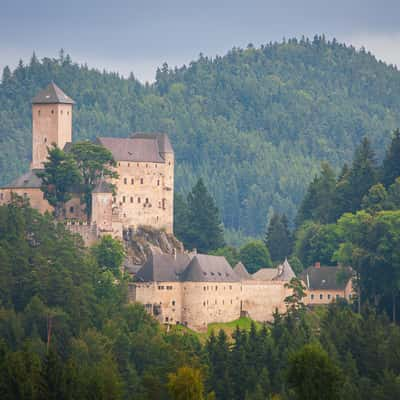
255	123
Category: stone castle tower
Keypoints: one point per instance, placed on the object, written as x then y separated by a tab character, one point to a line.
51	122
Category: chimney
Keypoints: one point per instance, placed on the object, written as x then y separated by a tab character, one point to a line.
174	253
317	264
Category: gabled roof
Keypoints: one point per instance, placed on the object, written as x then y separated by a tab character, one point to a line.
206	268
29	181
136	149
325	278
163	268
163	142
52	95
241	272
265	274
285	272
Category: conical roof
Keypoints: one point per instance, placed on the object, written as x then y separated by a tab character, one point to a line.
241	272
285	272
52	95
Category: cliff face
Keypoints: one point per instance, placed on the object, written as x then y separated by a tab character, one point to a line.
142	241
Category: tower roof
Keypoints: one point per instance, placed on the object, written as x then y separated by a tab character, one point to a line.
52	95
241	272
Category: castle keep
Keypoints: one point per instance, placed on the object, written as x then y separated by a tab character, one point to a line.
145	166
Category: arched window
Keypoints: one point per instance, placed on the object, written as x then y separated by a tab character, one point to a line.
141	181
123	199
125	181
158	182
131	199
138	200
132	181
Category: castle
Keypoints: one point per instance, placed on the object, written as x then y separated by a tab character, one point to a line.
144	164
181	288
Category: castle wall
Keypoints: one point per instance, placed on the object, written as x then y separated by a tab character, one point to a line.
208	302
51	123
260	299
35	195
145	193
102	211
162	299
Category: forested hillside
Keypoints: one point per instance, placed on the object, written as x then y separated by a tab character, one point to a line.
255	124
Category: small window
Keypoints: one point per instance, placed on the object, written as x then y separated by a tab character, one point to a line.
141	181
204	288
231	302
71	209
45	139
312	297
329	296
147	165
138	200
166	319
114	199
52	111
230	287
1	196
38	112
123	199
204	303
158	182
132	181
147	200
67	112
212	273
131	199
215	301
125	181
337	296
321	296
216	287
129	164
173	302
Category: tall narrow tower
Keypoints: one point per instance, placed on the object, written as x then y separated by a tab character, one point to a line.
51	122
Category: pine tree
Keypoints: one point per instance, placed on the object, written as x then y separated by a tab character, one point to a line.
204	231
391	163
278	238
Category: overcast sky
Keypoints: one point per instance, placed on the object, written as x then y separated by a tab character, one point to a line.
139	35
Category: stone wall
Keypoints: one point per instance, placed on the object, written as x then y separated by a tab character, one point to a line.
208	302
262	298
35	196
145	193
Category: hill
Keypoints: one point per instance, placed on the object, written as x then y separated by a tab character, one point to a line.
255	123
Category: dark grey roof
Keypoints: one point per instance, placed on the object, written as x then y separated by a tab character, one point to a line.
265	274
205	268
29	180
285	272
163	142
103	187
163	268
135	149
241	271
52	95
324	278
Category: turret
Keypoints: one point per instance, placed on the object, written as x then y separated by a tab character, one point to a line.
51	122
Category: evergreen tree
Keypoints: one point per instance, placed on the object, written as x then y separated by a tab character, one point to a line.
205	231
375	200
391	163
278	238
362	176
181	217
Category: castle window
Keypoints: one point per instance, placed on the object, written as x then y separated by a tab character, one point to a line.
204	273
45	139
163	203
67	112
123	199
52	111
337	296
216	287
312	297
169	163
114	199
204	303
71	209
166	319
138	200
158	182
147	165
223	302
38	112
141	181
203	288
1	196
132	181
173	302
329	296
129	164
212	273
125	181
231	302
147	200
321	296
131	199
230	287
215	301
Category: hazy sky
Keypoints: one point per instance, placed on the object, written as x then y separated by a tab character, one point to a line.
138	36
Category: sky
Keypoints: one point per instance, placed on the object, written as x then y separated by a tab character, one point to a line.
138	35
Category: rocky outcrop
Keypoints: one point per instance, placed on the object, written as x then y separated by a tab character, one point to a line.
145	239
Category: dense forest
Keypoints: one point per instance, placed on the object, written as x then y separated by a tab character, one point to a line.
66	332
255	124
